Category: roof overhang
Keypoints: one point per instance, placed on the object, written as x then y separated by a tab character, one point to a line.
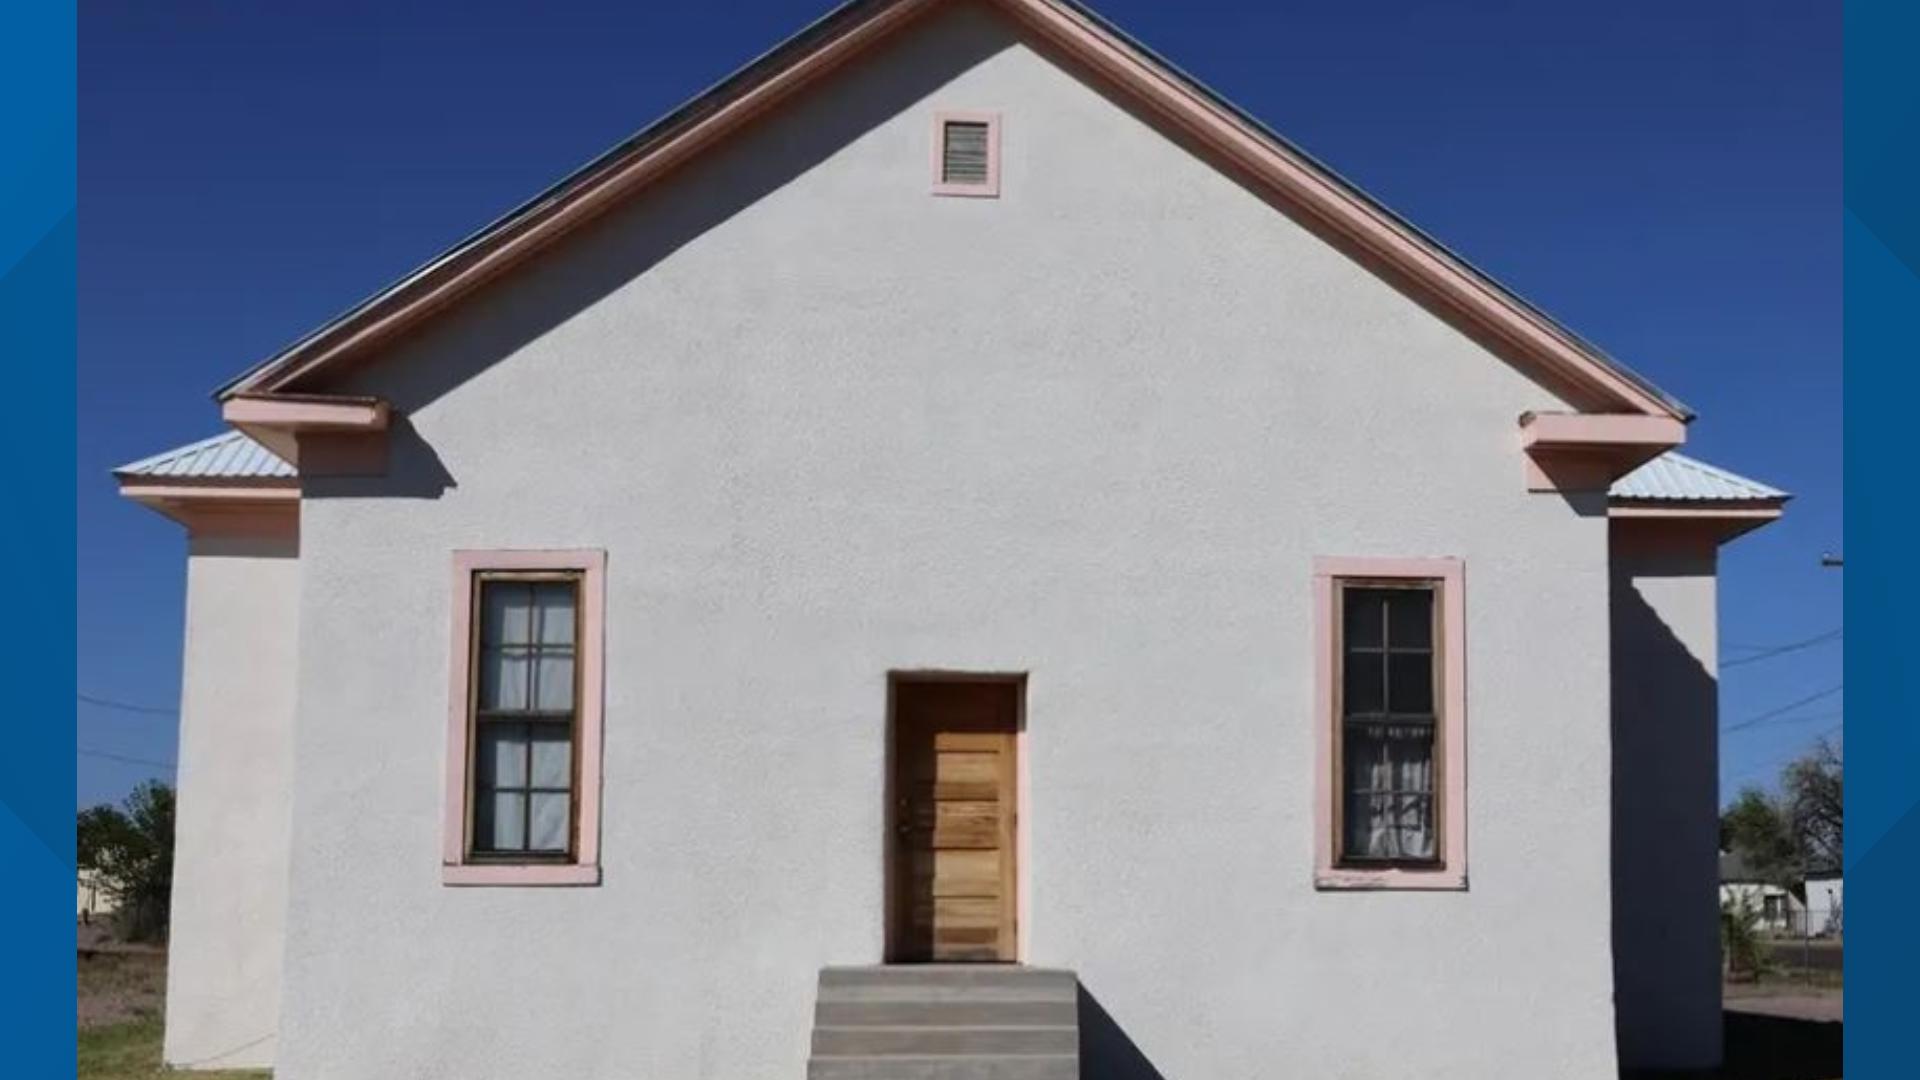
1589	451
1250	149
1702	523
253	508
319	434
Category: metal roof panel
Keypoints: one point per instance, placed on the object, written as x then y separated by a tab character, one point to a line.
1675	477
228	455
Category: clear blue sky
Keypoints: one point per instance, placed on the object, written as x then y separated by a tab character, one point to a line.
1663	177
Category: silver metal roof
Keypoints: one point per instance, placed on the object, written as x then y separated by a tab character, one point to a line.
230	455
1674	477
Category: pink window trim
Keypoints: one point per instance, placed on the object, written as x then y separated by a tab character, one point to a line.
988	190
1452	872
585	869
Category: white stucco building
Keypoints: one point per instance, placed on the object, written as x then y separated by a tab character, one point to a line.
956	491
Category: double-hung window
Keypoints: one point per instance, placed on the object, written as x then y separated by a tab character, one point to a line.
1392	697
523	769
525	718
1388	731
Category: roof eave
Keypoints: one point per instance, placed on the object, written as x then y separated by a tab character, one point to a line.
1716	521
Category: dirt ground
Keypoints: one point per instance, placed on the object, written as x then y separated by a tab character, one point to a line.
1788	1001
121	986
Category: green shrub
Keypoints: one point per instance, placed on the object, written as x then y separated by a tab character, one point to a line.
1745	955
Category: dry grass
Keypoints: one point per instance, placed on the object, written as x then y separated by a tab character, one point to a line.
122	997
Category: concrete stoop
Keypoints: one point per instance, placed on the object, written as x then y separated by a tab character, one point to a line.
946	1022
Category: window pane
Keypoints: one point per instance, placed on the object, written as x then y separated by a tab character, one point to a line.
504	675
554	601
501	755
500	821
508	612
1410	683
552	756
1410	618
1364	608
1361	692
549	821
555	685
1389	791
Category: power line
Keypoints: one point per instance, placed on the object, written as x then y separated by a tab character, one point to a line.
1830	714
108	703
1754	721
1790	647
84	752
1781	759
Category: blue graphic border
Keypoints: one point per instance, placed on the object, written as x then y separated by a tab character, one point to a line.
37	347
1881	220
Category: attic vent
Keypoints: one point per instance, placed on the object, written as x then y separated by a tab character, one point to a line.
965	159
966	154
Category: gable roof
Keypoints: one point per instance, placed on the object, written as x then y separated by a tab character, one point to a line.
1169	93
1677	478
230	455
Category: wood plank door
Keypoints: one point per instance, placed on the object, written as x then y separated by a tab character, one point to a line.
953	821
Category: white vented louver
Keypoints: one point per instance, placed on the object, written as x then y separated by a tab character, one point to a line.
964	158
966	153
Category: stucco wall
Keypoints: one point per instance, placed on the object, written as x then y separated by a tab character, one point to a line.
235	775
1666	815
826	425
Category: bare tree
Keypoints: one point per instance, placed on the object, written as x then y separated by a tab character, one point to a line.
1811	793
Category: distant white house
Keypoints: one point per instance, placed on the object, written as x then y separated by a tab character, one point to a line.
1824	906
1814	910
96	899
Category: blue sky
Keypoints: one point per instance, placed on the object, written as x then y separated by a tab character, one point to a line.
1663	177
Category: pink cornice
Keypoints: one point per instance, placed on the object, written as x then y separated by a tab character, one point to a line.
323	436
255	507
1589	451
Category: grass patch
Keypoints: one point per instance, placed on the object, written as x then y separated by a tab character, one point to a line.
130	1050
122	1001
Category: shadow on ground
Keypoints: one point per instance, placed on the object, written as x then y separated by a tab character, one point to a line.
1768	1048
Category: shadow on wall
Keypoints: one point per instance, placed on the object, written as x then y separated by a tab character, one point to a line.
1106	1053
591	263
1767	1048
1665	813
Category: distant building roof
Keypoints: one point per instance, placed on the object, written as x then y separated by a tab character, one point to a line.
229	455
1675	477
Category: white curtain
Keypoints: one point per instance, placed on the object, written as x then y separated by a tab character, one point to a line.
1389	811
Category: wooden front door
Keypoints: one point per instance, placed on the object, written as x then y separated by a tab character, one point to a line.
953	821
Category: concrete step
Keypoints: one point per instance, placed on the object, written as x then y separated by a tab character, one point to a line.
1046	1013
947	982
946	1022
929	1041
947	1067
